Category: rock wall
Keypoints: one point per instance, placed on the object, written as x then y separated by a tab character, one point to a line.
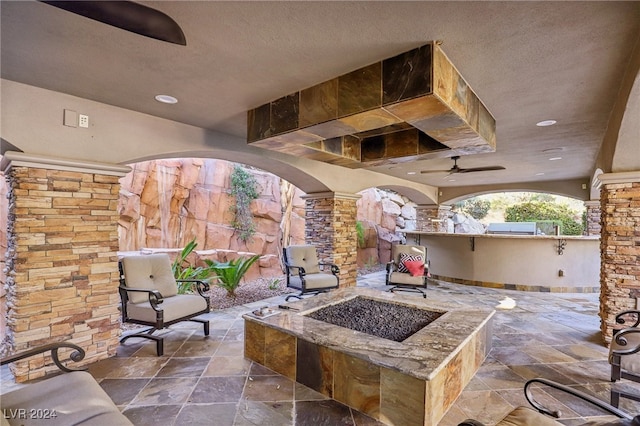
164	204
383	214
167	203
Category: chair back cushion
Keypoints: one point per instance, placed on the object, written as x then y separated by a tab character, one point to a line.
400	252
305	256
150	272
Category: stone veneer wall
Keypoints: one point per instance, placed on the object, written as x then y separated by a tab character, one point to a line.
432	218
62	264
594	213
331	226
620	251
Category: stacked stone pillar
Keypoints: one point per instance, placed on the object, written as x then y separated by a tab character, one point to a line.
61	262
432	217
330	225
594	213
619	247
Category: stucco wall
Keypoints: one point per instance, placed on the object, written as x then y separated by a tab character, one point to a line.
533	263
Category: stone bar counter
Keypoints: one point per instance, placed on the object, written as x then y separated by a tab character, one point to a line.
412	382
549	263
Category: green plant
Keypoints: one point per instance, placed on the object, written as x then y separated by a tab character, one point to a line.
534	211
230	273
182	270
475	207
360	232
244	188
274	283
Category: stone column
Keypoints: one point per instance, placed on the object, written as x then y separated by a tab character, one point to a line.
330	225
432	217
619	246
61	261
593	217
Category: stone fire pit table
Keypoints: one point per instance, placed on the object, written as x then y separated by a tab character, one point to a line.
413	382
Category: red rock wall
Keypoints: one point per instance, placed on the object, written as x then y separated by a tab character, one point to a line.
167	203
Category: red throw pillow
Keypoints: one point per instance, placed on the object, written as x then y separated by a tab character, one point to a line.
415	267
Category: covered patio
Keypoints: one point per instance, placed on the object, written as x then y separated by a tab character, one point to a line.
555	336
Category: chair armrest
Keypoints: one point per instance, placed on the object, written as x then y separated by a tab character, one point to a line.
334	268
77	355
621	339
581	395
155	298
201	286
620	318
391	266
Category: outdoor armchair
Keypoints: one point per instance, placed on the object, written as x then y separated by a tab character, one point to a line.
149	294
305	273
624	353
408	268
542	416
72	398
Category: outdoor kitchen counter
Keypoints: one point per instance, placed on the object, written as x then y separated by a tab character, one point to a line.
552	263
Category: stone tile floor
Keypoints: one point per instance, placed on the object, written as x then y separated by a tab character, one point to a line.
206	380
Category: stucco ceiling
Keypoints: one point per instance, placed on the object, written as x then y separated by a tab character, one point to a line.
527	61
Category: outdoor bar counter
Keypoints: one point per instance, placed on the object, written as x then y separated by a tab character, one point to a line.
566	264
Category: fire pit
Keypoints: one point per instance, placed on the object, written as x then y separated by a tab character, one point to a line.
387	320
409	373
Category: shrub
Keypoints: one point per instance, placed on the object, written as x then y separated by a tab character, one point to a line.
533	211
230	273
182	270
245	189
475	207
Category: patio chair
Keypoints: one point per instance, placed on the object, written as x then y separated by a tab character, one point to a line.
305	273
624	354
408	269
72	398
541	416
149	295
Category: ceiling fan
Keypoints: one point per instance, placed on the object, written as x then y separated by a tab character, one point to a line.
129	16
457	169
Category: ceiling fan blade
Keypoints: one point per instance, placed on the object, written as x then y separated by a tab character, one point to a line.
129	16
481	169
425	172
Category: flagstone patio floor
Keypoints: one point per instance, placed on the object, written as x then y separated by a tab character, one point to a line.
207	381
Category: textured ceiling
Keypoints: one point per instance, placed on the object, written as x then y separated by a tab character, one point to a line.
527	62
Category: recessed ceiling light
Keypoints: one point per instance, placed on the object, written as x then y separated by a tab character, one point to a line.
555	158
546	123
539	174
550	150
411	173
451	180
166	99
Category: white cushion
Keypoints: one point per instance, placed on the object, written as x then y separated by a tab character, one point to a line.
174	307
304	256
76	398
630	363
150	272
314	281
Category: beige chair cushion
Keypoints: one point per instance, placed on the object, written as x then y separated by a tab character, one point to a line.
76	398
630	363
314	281
304	256
174	307
406	279
525	416
151	272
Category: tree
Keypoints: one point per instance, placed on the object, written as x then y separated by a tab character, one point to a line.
533	211
477	208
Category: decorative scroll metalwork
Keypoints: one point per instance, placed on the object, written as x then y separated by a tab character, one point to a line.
562	243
